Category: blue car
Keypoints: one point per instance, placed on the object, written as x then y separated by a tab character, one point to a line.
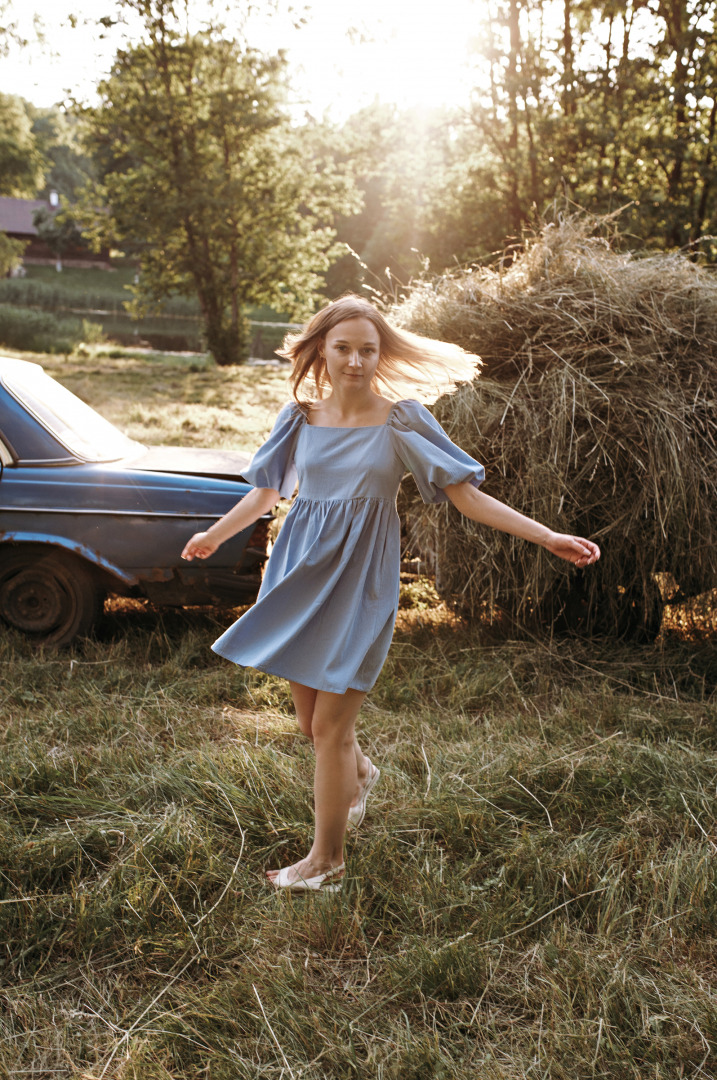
86	511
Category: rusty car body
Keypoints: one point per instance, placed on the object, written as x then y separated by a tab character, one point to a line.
86	511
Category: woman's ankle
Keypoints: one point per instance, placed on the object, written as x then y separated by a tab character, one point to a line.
322	864
363	768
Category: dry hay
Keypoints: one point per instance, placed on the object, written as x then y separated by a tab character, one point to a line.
595	413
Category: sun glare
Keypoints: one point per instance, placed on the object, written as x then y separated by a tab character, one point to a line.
397	51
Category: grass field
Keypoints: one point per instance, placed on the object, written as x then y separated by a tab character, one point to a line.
100	295
532	895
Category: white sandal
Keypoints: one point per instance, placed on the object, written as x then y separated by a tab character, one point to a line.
358	812
319	883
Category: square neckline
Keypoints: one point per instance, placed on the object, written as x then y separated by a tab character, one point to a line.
352	427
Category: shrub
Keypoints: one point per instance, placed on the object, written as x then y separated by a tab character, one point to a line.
29	292
98	294
40	331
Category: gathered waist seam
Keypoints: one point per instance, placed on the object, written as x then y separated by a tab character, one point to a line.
347	499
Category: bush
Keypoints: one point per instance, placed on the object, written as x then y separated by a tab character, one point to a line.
595	414
92	292
39	331
29	292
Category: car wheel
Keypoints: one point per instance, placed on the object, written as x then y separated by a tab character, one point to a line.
51	597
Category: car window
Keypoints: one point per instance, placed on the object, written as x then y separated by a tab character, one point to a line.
6	457
75	424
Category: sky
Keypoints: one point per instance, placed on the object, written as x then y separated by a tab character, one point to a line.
408	52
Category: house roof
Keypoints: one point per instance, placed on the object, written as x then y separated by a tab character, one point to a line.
16	214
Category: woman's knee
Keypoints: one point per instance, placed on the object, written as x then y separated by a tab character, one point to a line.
304	702
305	725
333	717
330	731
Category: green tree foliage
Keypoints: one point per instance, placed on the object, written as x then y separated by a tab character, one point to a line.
601	104
206	182
9	31
68	168
21	166
10	254
19	162
398	161
59	231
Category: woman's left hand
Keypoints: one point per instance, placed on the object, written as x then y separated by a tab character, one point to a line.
575	549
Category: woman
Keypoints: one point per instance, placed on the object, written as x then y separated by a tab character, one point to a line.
327	605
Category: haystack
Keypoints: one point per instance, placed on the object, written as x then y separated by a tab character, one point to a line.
596	413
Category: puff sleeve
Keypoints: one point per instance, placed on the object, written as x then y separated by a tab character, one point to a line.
428	453
273	464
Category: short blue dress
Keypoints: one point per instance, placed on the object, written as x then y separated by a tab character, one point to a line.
326	609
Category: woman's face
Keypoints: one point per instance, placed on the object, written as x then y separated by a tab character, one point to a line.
352	349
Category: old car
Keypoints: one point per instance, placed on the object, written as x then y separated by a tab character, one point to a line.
86	511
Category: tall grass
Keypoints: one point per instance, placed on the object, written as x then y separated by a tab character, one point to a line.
40	331
48	298
98	290
83	288
532	893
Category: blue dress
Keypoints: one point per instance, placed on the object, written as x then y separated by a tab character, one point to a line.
327	605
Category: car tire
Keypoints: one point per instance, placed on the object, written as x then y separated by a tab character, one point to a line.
51	597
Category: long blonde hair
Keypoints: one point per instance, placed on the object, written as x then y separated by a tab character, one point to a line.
409	365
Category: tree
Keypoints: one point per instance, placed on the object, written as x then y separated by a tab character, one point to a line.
10	254
206	182
58	137
604	104
21	166
59	231
398	160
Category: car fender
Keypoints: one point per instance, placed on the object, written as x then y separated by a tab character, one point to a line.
81	550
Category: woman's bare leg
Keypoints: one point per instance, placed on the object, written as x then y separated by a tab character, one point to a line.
332	727
304	703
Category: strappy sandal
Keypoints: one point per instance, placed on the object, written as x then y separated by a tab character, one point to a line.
319	883
358	812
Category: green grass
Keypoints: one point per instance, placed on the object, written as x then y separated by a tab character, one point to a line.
534	886
158	398
533	893
78	281
103	294
44	331
91	288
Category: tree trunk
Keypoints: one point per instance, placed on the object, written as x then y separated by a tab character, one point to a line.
515	209
701	214
675	17
568	94
621	82
227	344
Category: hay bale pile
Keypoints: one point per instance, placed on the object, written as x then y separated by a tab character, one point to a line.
596	413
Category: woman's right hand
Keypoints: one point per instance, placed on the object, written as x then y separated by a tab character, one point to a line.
200	546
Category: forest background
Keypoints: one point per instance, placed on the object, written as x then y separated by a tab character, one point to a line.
226	197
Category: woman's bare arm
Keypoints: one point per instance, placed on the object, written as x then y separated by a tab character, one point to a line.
478	506
259	501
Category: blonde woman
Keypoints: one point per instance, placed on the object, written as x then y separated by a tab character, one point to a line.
327	604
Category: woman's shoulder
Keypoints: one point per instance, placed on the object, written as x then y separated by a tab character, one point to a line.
409	412
290	413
